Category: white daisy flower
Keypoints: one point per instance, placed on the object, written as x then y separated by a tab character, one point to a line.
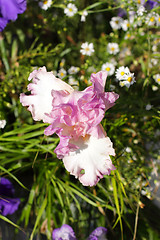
148	107
73	82
151	19
154	48
62	73
154	88
121	72
140	2
157	78
121	84
73	70
127	36
154	61
128	150
113	48
109	67
87	49
45	4
141	10
116	22
83	16
113	61
125	77
62	63
70	10
125	25
129	79
2	123
158	20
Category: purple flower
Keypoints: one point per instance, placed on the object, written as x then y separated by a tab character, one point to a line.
8	204
63	233
150	4
9	9
98	234
67	233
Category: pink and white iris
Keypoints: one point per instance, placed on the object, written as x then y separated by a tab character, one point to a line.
75	116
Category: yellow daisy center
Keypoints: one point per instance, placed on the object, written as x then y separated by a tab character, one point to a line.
139	1
108	69
128	25
117	22
122	73
112	48
129	79
62	74
45	2
87	49
70	9
152	19
158	79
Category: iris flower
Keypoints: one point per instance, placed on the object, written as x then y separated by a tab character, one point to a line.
9	10
75	116
8	204
66	233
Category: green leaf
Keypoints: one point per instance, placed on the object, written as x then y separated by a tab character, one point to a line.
40	212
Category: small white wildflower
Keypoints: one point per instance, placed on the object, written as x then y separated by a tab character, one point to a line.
113	61
125	77
113	48
141	10
154	61
87	49
128	150
139	2
116	22
154	88
129	79
121	84
158	20
62	62
45	4
70	10
127	36
154	48
109	67
121	71
151	19
148	107
2	123
83	16
62	73
73	70
125	25
54	72
73	82
157	78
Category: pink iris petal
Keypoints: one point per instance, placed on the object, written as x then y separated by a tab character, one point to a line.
40	101
77	114
91	161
